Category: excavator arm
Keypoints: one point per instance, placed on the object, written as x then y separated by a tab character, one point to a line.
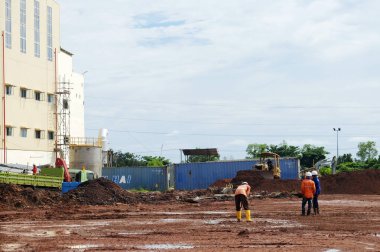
59	162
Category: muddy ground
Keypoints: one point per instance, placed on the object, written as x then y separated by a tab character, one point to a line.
101	216
346	223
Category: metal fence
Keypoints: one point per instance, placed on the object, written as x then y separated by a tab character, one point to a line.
148	178
191	176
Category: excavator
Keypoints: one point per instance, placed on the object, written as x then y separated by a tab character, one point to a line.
269	169
48	176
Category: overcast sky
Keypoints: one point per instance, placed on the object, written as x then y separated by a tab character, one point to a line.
164	75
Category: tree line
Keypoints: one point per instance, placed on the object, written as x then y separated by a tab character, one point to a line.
367	156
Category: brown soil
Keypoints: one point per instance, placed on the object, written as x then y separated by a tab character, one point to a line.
359	182
96	192
23	197
192	221
345	223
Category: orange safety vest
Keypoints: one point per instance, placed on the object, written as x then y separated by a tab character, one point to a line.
308	188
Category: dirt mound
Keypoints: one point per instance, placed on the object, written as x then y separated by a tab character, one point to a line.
24	197
359	182
259	183
221	183
98	192
95	192
105	192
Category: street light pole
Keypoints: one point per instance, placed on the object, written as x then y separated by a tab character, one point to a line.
337	148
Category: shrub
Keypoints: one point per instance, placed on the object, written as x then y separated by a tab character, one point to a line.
325	171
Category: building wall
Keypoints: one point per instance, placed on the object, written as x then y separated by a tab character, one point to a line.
25	70
76	80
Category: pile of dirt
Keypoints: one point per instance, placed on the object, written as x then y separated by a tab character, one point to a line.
95	192
24	197
359	182
98	192
105	192
260	184
221	183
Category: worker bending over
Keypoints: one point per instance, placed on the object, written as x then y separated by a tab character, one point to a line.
241	198
308	191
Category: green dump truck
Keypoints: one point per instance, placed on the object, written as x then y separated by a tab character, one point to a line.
47	177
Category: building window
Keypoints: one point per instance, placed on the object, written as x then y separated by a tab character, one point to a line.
50	33
50	98
39	134
38	96
65	104
36	28
23	26
8	23
23	93
51	135
9	131
9	89
24	132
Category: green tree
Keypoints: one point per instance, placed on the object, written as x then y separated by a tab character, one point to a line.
312	154
202	158
345	158
367	151
254	150
285	150
155	161
127	159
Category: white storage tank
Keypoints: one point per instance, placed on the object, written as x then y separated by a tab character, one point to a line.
103	138
89	156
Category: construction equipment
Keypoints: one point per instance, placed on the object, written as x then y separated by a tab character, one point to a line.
269	165
48	176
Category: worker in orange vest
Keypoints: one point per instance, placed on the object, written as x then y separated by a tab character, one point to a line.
308	191
241	198
34	169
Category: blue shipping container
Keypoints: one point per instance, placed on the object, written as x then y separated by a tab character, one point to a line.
191	176
148	178
290	168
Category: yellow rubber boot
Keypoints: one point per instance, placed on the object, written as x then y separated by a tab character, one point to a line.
248	215
238	215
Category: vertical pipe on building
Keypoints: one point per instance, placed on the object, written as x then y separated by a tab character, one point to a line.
56	103
5	129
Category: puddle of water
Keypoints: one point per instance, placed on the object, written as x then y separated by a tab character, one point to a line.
174	220
213	222
32	233
11	247
84	246
280	223
354	203
200	212
332	250
167	246
134	233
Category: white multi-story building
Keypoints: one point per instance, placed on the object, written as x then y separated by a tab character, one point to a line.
30	77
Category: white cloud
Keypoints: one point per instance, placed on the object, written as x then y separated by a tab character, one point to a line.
269	70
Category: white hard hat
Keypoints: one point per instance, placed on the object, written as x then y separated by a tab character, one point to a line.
308	174
244	183
314	173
